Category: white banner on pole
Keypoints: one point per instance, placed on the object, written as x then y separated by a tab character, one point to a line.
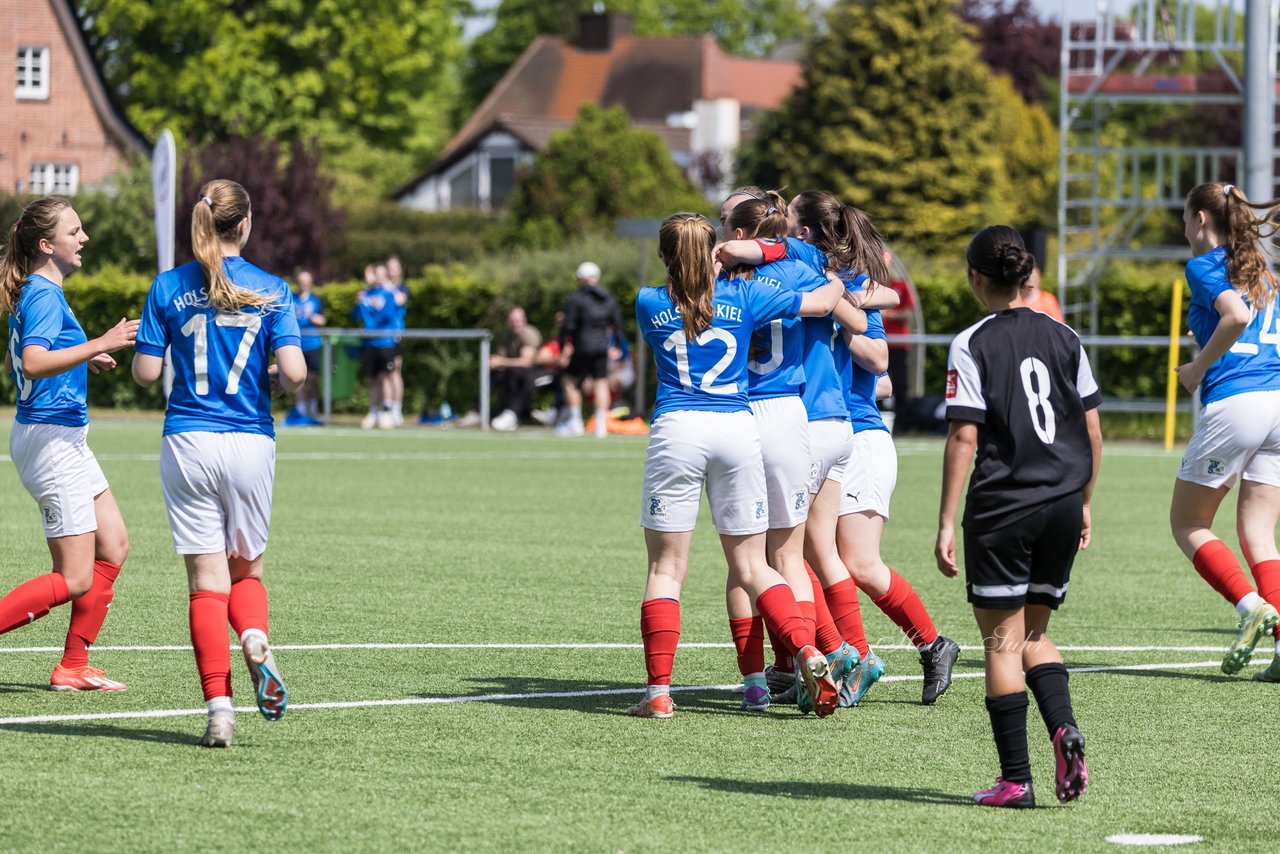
164	182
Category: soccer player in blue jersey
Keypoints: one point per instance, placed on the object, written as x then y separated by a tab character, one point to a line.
310	311
778	375
700	329
49	357
222	319
376	310
1233	317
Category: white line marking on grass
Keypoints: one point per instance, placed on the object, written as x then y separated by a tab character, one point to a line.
394	456
1153	839
498	698
580	646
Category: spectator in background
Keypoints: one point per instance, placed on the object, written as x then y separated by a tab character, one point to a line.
514	370
310	311
622	374
1037	299
376	310
588	314
395	282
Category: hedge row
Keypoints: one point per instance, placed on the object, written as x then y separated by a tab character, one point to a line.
478	295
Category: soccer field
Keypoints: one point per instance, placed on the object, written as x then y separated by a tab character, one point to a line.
456	616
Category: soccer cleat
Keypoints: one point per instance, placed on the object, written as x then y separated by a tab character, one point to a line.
386	420
83	679
869	671
844	666
778	680
1006	793
220	729
272	696
1271	674
1072	776
660	706
813	678
755	695
505	422
936	660
1258	623
369	421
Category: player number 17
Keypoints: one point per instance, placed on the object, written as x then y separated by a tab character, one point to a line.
197	329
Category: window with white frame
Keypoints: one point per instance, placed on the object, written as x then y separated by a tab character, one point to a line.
54	179
33	72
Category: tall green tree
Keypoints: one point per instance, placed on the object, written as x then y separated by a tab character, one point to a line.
596	171
744	27
373	81
897	114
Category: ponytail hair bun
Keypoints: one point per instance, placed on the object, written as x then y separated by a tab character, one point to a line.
998	253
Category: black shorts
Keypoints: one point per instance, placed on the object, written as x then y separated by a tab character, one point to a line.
594	365
312	358
1028	562
379	361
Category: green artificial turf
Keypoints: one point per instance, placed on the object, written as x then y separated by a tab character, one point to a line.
444	537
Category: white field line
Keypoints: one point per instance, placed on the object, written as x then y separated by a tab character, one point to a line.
498	698
394	456
582	646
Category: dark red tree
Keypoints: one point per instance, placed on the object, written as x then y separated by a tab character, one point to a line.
294	224
1015	42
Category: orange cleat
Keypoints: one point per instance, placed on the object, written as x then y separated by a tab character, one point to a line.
83	679
659	707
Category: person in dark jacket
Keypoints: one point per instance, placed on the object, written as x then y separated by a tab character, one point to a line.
590	314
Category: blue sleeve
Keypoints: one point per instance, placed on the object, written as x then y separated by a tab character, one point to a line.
805	279
875	326
41	318
153	334
1208	277
807	254
766	303
284	323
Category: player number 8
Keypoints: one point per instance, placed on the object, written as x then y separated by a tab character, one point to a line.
1038	397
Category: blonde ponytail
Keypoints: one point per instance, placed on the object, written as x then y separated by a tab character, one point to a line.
686	241
216	219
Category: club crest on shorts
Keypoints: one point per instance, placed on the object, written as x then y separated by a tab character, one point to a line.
761	508
657	507
800	497
1214	467
50	512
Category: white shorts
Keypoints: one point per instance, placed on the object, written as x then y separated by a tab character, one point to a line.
722	449
1238	436
217	487
831	444
783	424
61	473
871	475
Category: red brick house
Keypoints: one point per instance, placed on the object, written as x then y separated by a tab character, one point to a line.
59	130
696	97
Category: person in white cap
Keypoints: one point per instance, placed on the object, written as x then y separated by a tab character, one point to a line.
590	314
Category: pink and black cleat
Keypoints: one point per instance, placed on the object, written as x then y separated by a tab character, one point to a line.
1006	793
1072	775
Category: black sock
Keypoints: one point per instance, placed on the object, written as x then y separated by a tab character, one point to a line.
1009	726
1049	683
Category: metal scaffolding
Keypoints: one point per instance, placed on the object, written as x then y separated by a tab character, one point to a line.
1136	53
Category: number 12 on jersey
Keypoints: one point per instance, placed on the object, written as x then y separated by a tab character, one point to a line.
197	329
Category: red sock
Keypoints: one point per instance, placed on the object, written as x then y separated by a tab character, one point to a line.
31	600
1267	574
660	629
247	607
208	612
904	607
828	636
748	639
842	599
88	614
1218	566
781	658
781	614
808	613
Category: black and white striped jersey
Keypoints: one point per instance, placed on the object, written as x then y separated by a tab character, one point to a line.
1024	379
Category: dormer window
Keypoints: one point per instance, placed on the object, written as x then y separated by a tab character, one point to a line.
33	73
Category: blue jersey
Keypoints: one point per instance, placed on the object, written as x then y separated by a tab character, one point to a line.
860	384
43	318
777	368
402	309
305	308
220	360
1253	363
710	373
377	310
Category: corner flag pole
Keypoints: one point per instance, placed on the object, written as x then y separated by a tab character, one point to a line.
1171	391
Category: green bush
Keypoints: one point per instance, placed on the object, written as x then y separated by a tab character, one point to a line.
377	230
